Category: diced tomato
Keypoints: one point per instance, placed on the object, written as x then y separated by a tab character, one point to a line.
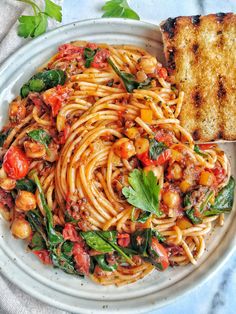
123	239
69	233
206	146
15	163
54	98
68	50
92	46
44	256
164	136
162	73
82	258
161	159
161	252
219	173
100	59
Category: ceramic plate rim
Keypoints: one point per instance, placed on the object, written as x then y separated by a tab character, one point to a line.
187	287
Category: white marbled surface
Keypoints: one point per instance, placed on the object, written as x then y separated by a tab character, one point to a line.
218	295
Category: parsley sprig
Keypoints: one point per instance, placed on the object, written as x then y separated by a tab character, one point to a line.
119	8
35	25
143	192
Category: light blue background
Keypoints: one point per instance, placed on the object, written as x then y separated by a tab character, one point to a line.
218	295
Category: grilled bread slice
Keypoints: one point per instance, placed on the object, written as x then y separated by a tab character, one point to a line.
201	54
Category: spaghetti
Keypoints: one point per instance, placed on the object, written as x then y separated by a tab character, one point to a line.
97	172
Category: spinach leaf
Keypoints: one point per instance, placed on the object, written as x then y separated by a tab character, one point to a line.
42	137
158	235
143	192
67	248
225	198
142	218
54	237
140	240
37	242
101	260
156	148
94	240
36	223
129	79
194	219
3	136
104	241
26	185
63	262
198	151
89	55
42	81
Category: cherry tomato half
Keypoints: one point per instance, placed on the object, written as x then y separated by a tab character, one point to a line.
123	239
161	159
206	146
159	253
82	258
69	233
15	163
44	256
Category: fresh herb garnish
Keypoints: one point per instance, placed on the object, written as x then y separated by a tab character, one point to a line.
42	137
101	260
198	151
89	55
224	200
104	242
26	185
54	237
143	191
37	242
156	148
119	8
42	81
35	25
129	79
142	217
190	213
3	136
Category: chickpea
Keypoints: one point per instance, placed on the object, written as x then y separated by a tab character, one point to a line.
5	212
148	64
25	201
171	199
20	228
34	150
176	171
5	182
17	111
141	76
157	170
141	145
124	148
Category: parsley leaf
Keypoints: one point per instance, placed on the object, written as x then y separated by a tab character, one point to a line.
119	8
156	148
143	192
53	10
35	25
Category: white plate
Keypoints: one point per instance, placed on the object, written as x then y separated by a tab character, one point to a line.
72	293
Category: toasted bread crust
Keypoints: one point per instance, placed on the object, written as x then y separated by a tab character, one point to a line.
201	54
